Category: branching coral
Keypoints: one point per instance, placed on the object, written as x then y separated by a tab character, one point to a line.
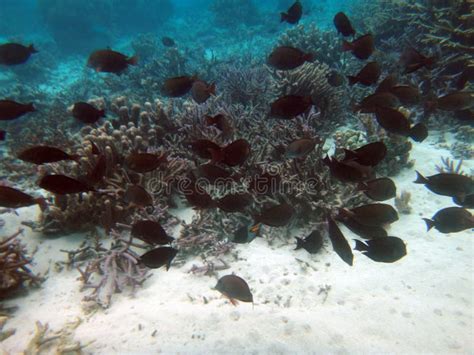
14	266
112	270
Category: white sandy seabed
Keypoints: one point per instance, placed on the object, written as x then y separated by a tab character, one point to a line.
420	304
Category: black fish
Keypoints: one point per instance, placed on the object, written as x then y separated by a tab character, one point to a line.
150	232
201	91
234	154
144	162
15	53
447	184
419	132
178	86
158	257
10	110
412	60
408	95
386	84
203	147
395	122
235	288
196	196
137	196
368	75
246	234
109	61
276	216
222	122
168	42
42	154
293	14
234	202
343	25
13	198
362	47
312	243
287	58
87	113
380	99
63	185
289	106
385	250
339	242
363	231
374	214
380	189
451	220
3	135
348	171
370	154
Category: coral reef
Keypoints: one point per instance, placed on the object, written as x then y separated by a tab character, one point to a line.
111	270
58	342
402	202
14	263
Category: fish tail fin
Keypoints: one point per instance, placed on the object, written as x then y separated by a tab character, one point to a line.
32	49
283	17
352	80
327	160
133	60
299	243
420	179
360	246
42	203
429	223
346	46
362	186
308	57
212	89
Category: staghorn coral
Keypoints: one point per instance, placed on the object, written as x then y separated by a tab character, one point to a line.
244	85
310	79
14	263
112	270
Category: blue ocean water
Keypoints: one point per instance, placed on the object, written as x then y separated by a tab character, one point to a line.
342	168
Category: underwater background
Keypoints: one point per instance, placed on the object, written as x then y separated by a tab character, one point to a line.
236	177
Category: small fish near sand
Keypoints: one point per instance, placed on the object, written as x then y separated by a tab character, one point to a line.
339	243
150	232
312	243
451	220
384	250
156	258
11	110
246	234
447	184
15	53
234	288
13	198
